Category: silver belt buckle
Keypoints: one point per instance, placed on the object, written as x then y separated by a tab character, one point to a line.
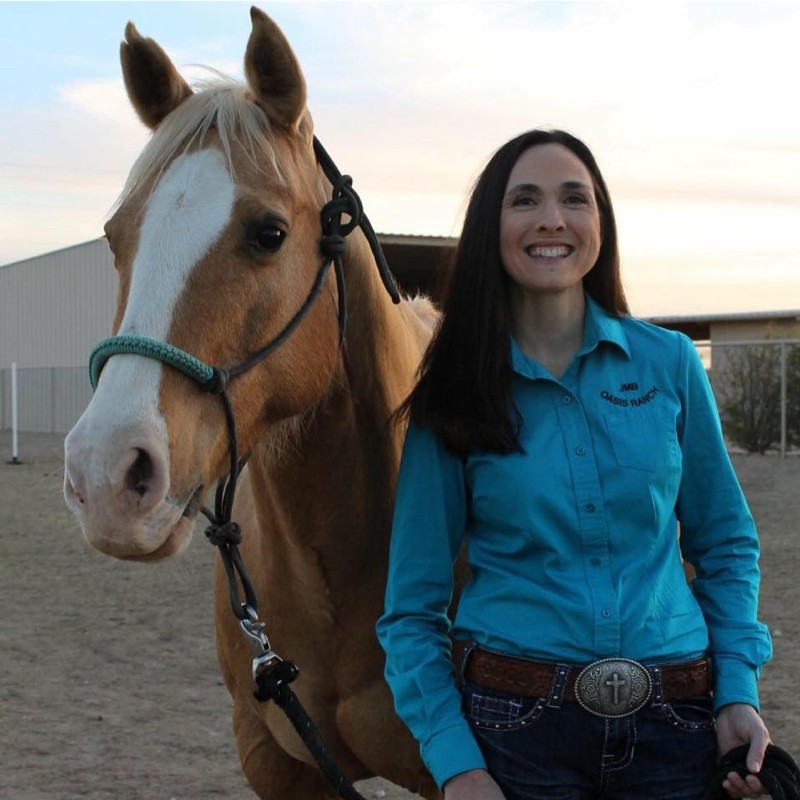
613	687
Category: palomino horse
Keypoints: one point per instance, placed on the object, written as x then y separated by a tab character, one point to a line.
216	240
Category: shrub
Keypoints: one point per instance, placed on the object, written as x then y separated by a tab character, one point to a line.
749	385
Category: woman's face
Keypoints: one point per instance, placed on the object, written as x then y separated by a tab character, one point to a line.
550	233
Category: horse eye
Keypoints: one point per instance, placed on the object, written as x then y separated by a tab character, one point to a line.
265	236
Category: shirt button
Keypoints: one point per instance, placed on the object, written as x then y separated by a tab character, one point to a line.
607	613
590	507
566	399
595	562
580	451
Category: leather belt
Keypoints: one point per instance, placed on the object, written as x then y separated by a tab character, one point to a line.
612	687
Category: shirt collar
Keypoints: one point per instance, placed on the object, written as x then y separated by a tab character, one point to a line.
599	326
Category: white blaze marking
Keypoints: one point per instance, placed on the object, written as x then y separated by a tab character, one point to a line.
186	214
188	210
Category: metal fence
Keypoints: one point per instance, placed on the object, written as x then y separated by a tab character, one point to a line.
756	384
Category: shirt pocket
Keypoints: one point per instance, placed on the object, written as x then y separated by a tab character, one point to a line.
643	439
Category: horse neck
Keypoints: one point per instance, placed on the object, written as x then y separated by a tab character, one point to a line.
334	484
384	341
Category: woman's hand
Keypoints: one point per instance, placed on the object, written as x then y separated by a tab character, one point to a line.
476	784
738	724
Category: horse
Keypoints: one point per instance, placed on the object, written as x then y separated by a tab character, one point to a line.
216	241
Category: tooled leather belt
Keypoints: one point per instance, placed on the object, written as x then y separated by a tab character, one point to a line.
610	687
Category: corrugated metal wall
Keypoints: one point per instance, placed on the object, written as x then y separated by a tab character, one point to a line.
53	309
53	306
49	399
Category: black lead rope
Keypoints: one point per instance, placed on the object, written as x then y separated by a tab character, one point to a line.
779	773
225	534
273	684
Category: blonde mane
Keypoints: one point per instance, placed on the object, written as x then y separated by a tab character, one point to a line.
222	104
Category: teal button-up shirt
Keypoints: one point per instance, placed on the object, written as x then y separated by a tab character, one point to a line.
573	544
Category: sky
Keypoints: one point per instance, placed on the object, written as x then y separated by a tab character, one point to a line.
691	109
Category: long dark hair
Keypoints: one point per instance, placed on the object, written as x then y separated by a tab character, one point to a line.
464	389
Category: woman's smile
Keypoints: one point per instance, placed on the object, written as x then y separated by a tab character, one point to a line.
549	223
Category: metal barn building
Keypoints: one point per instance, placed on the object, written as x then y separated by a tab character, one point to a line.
55	307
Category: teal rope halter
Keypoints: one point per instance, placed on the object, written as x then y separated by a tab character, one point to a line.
149	348
214	379
222	532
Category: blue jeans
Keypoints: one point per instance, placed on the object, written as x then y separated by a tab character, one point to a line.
552	749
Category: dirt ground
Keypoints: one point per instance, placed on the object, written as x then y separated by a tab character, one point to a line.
108	675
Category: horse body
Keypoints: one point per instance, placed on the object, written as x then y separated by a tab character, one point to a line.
216	241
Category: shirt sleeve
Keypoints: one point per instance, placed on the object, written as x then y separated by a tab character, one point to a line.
718	537
430	515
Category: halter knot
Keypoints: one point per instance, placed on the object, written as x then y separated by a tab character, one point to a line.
344	200
332	245
218	382
228	533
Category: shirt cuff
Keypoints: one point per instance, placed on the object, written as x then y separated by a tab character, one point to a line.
451	752
734	682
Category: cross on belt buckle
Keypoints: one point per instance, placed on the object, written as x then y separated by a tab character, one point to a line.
613	687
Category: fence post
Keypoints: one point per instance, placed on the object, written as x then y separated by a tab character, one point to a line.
14	419
784	421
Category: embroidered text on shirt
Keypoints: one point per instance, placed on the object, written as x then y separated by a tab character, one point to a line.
624	402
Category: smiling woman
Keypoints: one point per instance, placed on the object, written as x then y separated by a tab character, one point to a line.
562	442
549	231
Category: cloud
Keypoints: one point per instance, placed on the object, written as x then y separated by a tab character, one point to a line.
689	108
705	286
667	95
105	99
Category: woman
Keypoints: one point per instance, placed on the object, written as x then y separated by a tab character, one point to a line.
561	441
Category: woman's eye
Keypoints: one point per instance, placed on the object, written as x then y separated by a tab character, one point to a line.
576	200
524	200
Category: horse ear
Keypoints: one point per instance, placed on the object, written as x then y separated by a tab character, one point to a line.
273	72
154	86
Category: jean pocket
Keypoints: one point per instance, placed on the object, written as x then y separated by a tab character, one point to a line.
488	709
690	714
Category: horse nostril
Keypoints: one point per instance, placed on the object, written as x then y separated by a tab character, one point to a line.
140	474
71	490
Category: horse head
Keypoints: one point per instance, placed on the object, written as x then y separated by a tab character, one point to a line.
216	241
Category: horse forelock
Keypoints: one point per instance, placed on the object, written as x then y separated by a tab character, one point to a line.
221	105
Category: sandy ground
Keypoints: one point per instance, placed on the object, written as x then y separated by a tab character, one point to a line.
108	675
